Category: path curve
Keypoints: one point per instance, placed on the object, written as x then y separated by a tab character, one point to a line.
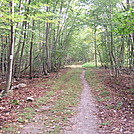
85	122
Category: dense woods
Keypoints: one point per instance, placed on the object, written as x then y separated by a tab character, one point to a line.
38	37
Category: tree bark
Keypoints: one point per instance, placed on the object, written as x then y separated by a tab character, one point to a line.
31	51
122	52
3	57
46	46
10	59
95	49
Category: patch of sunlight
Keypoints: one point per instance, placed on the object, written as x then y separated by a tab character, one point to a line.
74	66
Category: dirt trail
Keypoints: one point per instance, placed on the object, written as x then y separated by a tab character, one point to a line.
85	122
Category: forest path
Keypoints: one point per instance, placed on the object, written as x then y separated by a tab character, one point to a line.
85	122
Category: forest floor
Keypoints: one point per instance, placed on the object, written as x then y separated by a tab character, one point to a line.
54	104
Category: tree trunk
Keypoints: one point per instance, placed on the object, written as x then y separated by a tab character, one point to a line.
43	58
46	46
100	57
3	57
10	60
122	52
95	49
131	53
31	51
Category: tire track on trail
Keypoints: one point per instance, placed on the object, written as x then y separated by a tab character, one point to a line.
85	122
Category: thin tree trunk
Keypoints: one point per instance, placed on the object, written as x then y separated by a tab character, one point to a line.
131	53
46	46
31	51
95	49
122	52
3	58
10	60
100	57
42	59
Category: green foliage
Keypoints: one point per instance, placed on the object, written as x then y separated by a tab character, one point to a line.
124	22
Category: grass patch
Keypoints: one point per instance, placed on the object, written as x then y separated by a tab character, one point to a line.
132	89
29	109
105	93
119	105
50	93
27	115
103	99
102	89
10	128
93	81
42	100
107	98
15	102
110	107
106	123
88	65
